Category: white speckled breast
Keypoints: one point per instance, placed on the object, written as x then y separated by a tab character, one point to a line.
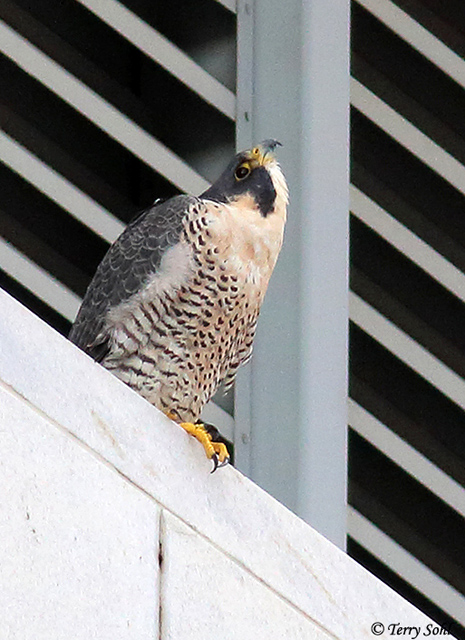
194	322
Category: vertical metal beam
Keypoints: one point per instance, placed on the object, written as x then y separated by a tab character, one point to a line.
324	259
291	402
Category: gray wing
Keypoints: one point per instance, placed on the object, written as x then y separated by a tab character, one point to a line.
133	257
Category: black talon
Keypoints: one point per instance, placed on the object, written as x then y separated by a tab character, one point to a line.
218	465
224	463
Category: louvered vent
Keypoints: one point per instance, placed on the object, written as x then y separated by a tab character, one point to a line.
105	106
407	358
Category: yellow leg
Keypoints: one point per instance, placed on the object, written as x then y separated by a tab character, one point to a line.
216	451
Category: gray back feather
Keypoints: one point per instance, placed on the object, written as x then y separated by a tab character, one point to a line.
129	262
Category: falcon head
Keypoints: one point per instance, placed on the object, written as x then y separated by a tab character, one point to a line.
253	174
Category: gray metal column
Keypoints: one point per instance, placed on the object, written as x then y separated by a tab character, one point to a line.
291	401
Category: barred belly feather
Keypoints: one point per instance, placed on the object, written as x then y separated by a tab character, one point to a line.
193	323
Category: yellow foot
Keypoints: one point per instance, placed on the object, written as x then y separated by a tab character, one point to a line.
216	451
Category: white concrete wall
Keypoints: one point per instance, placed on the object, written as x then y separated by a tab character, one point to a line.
112	527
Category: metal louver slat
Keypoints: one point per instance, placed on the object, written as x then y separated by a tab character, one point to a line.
57	188
45	286
408	243
228	4
161	50
418	37
99	111
408	135
406	565
407	457
413	354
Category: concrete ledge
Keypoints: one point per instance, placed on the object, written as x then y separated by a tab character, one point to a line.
231	562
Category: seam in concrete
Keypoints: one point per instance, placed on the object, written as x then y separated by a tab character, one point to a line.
100	458
161	571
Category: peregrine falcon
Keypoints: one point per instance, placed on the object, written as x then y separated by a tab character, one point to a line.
173	306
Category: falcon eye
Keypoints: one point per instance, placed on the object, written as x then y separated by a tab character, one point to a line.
242	172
